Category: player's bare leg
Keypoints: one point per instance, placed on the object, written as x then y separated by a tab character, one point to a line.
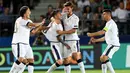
106	63
23	65
30	65
77	56
67	62
55	65
16	65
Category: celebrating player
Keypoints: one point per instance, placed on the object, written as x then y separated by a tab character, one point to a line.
55	39
20	43
71	22
111	38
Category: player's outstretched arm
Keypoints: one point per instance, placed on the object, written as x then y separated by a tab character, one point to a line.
101	32
39	29
66	32
35	24
98	40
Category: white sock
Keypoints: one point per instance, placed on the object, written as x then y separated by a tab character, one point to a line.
30	69
104	68
52	68
81	65
109	65
22	66
13	68
67	69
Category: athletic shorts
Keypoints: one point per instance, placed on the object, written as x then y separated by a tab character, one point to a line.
56	49
110	50
22	50
74	47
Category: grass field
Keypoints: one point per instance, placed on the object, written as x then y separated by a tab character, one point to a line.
78	71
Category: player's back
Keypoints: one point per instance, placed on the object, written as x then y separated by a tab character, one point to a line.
21	31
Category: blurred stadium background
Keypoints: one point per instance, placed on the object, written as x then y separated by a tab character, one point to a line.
89	12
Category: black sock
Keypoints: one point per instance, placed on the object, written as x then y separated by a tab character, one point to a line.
24	63
31	64
17	62
57	64
80	60
66	64
105	62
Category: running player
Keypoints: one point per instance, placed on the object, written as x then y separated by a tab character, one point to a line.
111	38
20	42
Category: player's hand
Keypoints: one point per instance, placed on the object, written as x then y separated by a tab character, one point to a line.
92	40
89	34
65	10
67	46
52	19
43	21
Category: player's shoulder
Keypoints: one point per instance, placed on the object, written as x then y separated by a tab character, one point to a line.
75	16
19	18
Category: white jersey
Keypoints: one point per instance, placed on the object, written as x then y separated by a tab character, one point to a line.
21	31
52	34
111	35
70	23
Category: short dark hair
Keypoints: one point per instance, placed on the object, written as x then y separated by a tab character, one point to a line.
69	4
55	12
43	16
107	10
23	10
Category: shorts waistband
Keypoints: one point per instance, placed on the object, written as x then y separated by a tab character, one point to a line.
115	45
19	43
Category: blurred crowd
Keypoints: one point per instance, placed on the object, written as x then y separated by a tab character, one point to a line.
89	12
9	11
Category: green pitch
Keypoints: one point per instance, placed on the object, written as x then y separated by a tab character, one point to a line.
78	71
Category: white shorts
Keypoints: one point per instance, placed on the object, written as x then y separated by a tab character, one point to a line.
56	49
75	47
22	50
110	50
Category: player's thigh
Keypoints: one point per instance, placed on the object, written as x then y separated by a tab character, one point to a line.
75	46
29	54
55	47
113	50
15	50
66	52
19	50
110	50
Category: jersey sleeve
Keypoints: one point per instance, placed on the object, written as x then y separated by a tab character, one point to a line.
107	27
26	22
75	23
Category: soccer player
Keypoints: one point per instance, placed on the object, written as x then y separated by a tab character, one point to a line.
20	42
55	39
112	39
71	22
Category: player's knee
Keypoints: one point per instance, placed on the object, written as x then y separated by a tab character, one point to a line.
30	60
76	55
103	58
20	59
67	60
60	62
25	61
